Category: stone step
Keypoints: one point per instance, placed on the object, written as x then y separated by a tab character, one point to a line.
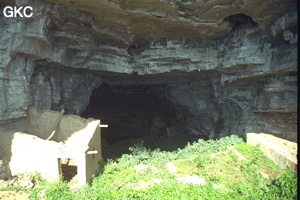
282	152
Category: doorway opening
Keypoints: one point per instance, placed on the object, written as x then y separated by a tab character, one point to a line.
68	168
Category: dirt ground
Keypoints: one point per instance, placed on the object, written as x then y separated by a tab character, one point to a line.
12	195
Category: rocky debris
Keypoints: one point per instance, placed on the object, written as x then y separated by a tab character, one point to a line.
191	180
185	179
141	167
171	167
24	180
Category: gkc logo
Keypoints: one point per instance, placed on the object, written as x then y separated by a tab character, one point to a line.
15	11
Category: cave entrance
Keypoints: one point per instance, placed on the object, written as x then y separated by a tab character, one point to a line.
131	111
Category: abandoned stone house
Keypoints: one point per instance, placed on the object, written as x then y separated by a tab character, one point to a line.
73	139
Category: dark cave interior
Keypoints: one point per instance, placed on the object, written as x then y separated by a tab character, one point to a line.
130	111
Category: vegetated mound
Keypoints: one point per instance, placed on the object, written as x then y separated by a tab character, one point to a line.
227	168
164	143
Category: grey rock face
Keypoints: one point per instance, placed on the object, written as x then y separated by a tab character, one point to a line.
4	166
224	72
57	89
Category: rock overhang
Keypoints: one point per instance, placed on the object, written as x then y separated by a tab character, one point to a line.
126	23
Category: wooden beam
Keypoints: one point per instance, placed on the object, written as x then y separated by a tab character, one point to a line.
55	126
92	152
103	125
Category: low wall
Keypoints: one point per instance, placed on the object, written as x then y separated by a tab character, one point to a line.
29	153
281	151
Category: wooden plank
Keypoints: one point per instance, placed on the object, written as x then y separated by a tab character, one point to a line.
92	152
103	125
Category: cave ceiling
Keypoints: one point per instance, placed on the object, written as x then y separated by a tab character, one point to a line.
143	22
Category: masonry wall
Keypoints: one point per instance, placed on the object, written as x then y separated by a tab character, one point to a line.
28	153
70	130
41	122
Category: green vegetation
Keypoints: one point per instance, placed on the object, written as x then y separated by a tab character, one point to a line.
220	53
260	90
133	51
131	60
260	48
280	78
231	170
207	42
276	78
195	42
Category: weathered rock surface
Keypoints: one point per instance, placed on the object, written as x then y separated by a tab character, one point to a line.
225	67
4	166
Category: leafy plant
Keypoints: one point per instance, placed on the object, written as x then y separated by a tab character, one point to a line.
260	48
280	78
220	53
131	60
194	42
207	42
282	187
270	80
133	51
274	79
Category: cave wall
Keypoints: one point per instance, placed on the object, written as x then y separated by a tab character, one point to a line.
227	67
254	105
58	88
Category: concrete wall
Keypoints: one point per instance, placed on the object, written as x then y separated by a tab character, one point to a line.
92	160
40	122
28	153
281	151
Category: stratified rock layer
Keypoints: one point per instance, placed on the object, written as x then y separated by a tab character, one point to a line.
224	67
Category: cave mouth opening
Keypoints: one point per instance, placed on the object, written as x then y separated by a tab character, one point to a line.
238	20
131	111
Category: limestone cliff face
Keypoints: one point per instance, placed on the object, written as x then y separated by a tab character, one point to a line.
226	67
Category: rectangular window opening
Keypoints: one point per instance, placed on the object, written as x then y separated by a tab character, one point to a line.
68	169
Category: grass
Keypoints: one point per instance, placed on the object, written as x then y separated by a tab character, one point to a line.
231	170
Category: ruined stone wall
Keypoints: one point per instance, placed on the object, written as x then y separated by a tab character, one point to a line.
28	153
70	129
74	137
41	123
